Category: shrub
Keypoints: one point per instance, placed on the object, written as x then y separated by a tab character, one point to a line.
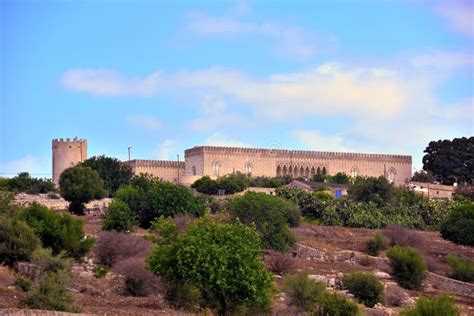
47	262
280	263
400	236
461	268
23	285
371	189
394	295
100	271
222	260
215	206
269	214
205	185
365	287
458	227
112	247
408	266
375	245
138	280
439	306
119	217
24	183
80	185
313	297
17	241
182	295
60	232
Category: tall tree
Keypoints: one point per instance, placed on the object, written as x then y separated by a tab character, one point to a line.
451	160
112	171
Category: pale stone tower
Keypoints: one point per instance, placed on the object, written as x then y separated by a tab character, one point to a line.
67	153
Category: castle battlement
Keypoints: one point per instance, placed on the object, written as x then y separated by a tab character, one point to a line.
298	153
68	140
156	163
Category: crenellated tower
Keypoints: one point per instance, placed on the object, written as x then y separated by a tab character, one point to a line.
67	153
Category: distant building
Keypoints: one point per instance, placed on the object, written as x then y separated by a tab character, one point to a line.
433	191
67	153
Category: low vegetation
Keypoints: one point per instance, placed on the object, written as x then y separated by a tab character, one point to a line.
458	226
408	266
365	287
17	241
23	182
439	306
461	268
119	217
376	244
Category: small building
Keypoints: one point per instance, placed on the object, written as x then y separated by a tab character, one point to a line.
336	189
432	190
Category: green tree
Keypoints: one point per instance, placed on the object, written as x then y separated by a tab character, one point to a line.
423	176
442	305
270	215
450	160
17	241
149	198
340	177
408	266
205	185
23	182
80	185
112	171
458	226
365	287
119	217
60	232
371	189
223	260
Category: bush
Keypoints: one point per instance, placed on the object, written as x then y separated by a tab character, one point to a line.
60	232
408	266
400	236
205	185
222	260
461	268
80	185
119	217
112	247
150	198
23	285
313	297
100	271
365	287
458	227
280	263
138	280
17	241
375	245
47	262
440	306
269	214
182	295
24	183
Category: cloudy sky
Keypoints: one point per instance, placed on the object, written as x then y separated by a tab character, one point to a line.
162	76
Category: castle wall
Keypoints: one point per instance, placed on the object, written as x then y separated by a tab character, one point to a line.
219	161
67	153
172	171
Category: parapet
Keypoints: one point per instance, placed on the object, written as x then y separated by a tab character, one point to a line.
68	140
156	163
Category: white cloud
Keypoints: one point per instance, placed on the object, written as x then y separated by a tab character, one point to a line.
109	83
36	166
314	140
459	14
167	150
143	121
443	60
218	139
293	41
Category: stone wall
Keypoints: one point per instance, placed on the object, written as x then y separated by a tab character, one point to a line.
67	153
171	171
59	203
450	285
35	312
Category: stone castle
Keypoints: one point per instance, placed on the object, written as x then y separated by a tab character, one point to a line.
216	161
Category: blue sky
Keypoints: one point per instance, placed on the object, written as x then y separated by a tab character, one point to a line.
163	76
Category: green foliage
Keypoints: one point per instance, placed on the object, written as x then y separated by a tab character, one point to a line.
450	160
119	217
310	204
22	284
319	177
408	266
269	182
80	185
150	198
339	177
112	171
7	208
461	268
23	182
100	271
166	230
60	232
205	185
182	294
458	226
365	287
51	292
270	215
232	183
222	260
313	297
17	241
376	244
423	176
371	189
442	305
465	192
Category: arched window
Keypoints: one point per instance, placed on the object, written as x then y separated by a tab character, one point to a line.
194	170
248	168
278	171
354	172
215	168
324	170
391	175
285	171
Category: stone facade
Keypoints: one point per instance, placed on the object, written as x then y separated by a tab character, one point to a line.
433	191
219	161
67	153
172	171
